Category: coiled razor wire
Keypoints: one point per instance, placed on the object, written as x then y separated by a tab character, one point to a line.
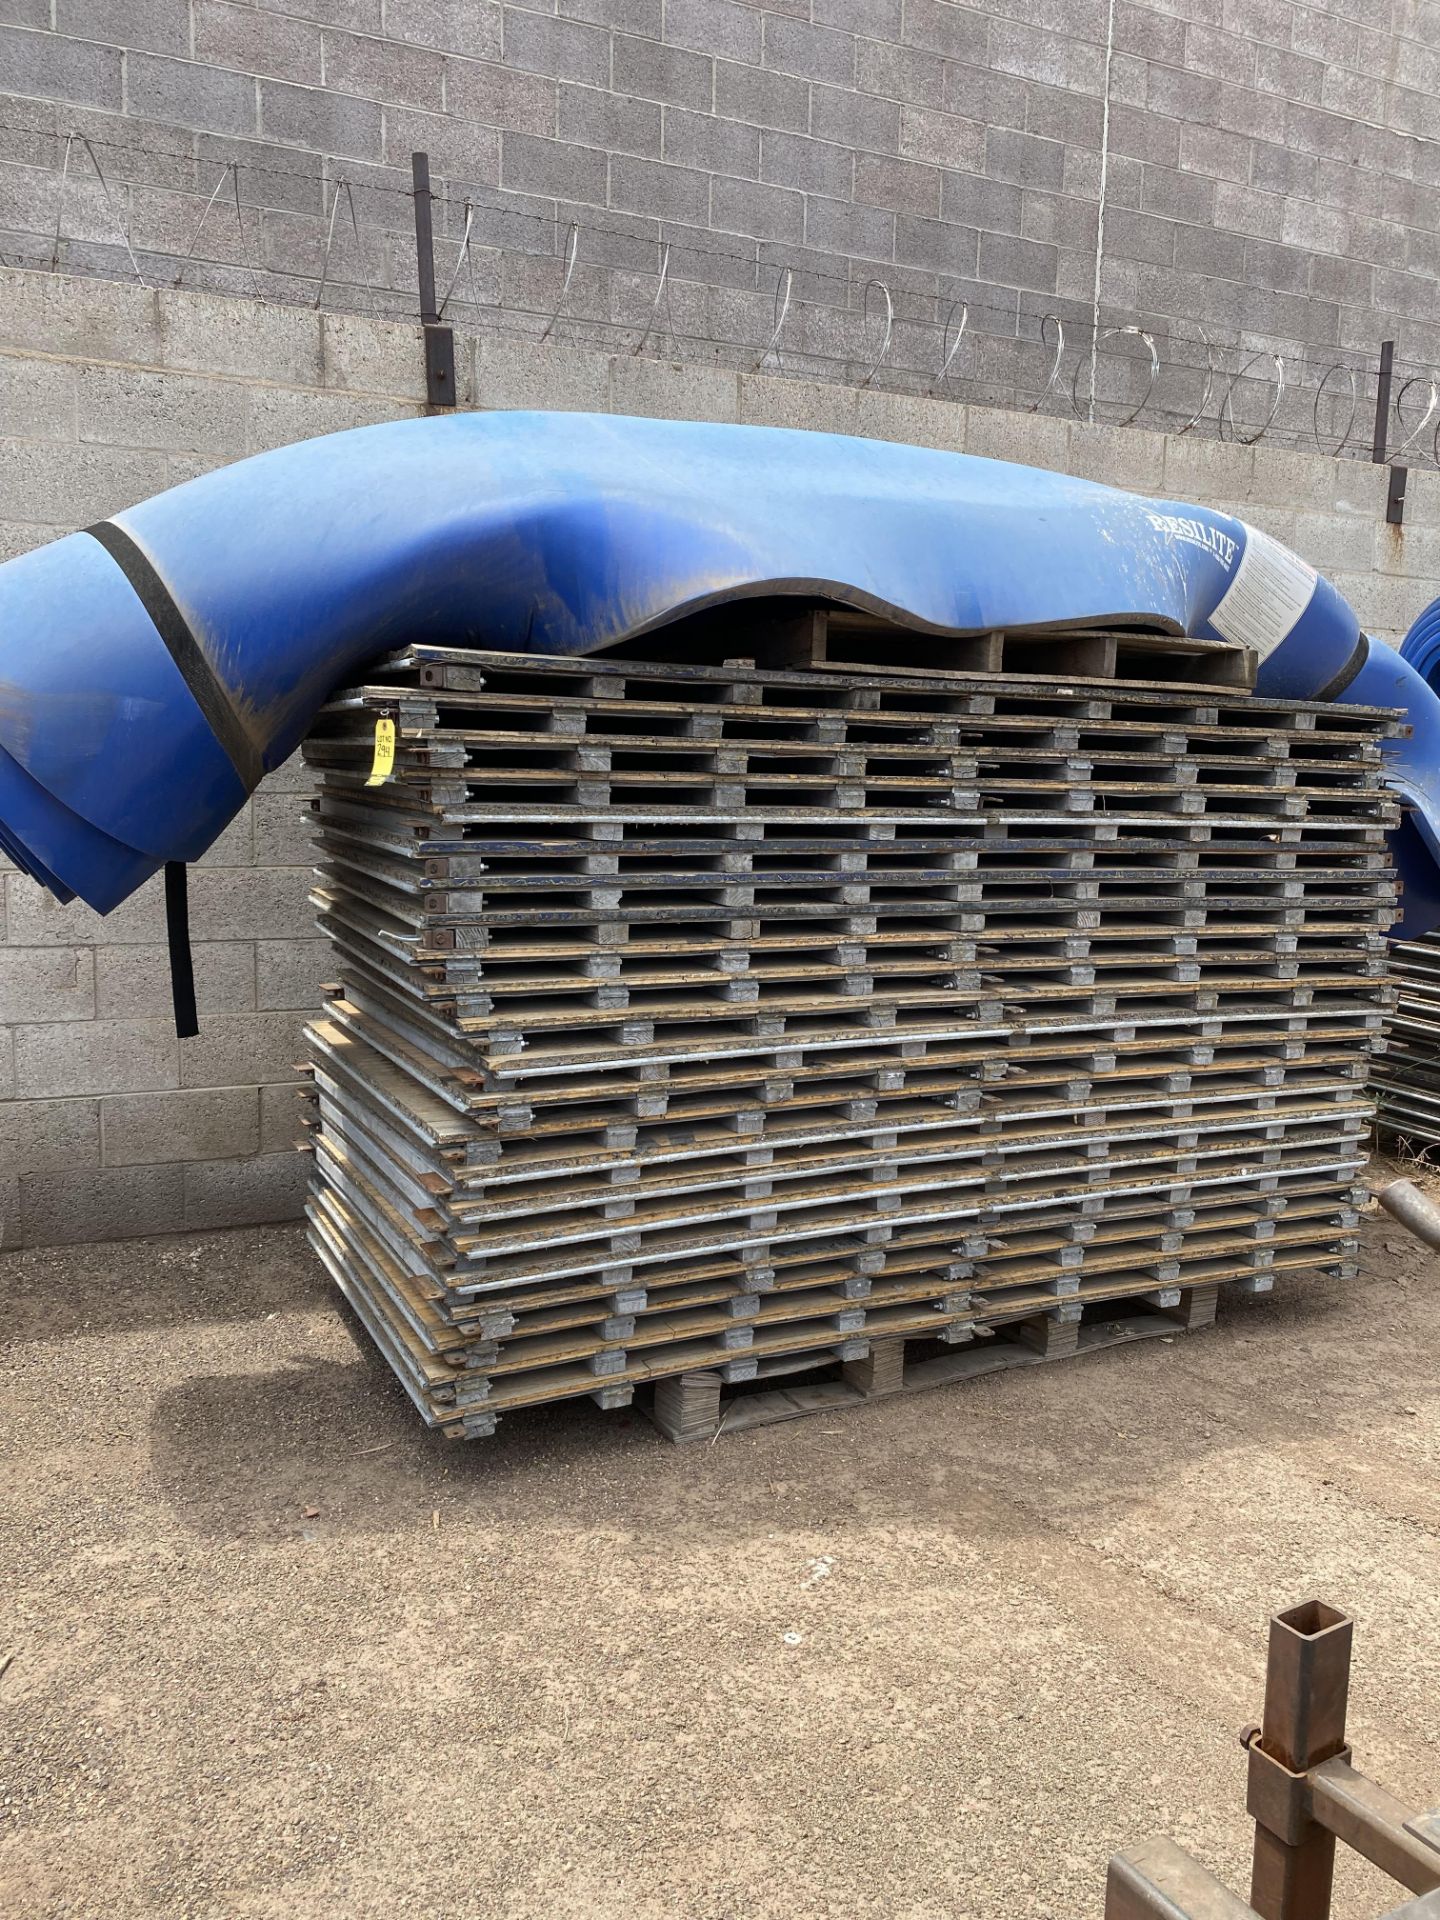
1109	333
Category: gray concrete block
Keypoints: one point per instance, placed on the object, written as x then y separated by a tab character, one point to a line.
133	982
904	186
95	1056
334	123
724	28
279	416
904	74
284	828
659	191
83	318
157	26
47	67
242	1049
811	52
973	201
49	1136
272	44
29	13
673	75
7	1063
36	918
836	226
255	903
853	120
1057	59
401	76
169	411
205	334
763	99
1286	479
282	1117
942	139
186	94
563	49
1017	263
1215	472
153	1129
772	401
956	32
1119	456
643	17
469	27
243	1193
767	212
912	419
363	355
289	974
72	1209
47	983
809	166
501	97
660	390
16	539
510	372
63	486
530	165
1031	439
1023	159
939	245
1336	542
705	140
37	398
616	121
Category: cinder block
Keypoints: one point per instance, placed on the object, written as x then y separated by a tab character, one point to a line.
36	918
241	1049
186	93
281	415
16	539
363	354
47	983
795	160
501	97
564	49
721	27
942	139
49	1136
1337	541
116	1203
530	165
814	53
133	982
773	401
911	418
288	974
1031	439
95	1056
764	211
244	1193
125	407
284	829
153	1129
673	75
1217	473
1119	456
401	76
43	66
7	1063
206	333
335	123
511	372
256	903
470	27
282	1117
663	390
661	192
37	397
268	43
65	486
616	122
759	99
156	26
1285	479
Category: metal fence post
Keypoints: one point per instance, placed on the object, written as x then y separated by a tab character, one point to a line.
439	339
1395	490
1307	1683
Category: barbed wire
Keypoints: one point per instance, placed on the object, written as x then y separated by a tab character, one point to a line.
946	338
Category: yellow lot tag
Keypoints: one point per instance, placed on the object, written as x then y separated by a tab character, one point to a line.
384	763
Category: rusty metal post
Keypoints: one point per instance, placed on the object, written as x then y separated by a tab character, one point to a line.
1307	1684
439	340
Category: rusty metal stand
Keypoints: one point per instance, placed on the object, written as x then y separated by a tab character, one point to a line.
1303	1795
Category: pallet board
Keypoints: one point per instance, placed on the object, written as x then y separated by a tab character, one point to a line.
728	1018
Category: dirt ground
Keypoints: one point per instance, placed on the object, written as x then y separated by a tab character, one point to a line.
935	1657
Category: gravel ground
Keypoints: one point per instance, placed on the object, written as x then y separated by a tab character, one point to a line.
277	1652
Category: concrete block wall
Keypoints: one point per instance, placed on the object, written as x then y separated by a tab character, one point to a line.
1271	168
108	1124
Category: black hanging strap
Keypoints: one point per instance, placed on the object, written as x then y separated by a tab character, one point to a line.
177	933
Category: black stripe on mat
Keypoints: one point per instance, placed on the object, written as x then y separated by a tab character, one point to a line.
184	649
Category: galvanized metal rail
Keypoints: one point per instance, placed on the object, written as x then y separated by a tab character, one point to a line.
1303	1795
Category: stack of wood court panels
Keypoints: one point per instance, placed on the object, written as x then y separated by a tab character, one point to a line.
1407	1073
704	1017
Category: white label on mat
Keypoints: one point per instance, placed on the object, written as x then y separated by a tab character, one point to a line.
1270	591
